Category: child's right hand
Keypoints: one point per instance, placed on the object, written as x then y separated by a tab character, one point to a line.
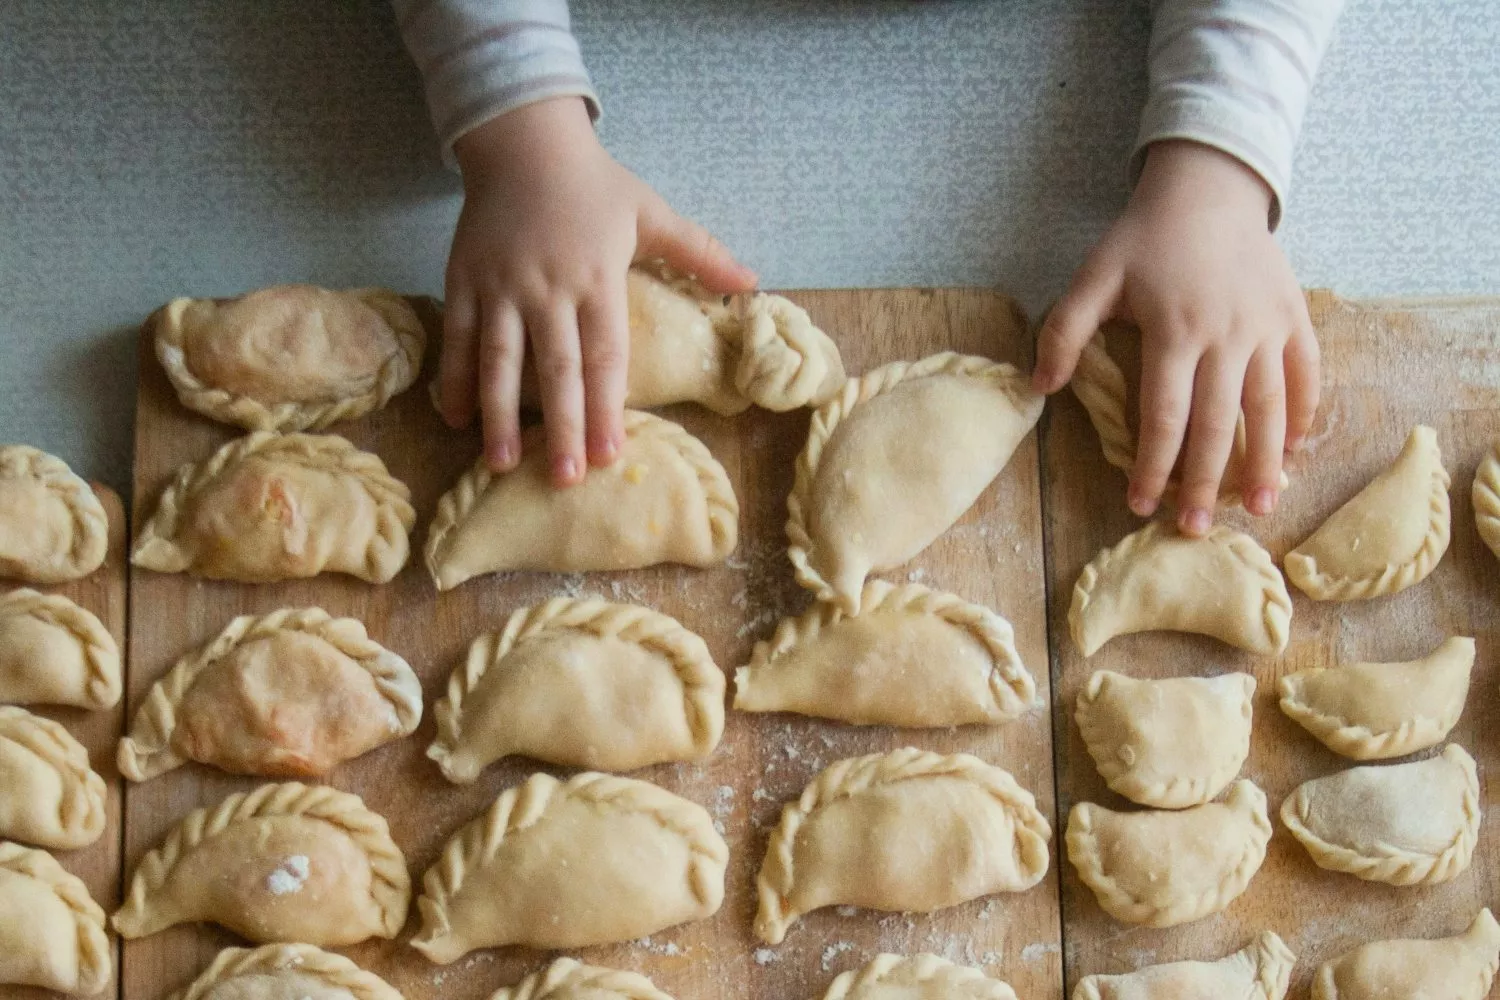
550	224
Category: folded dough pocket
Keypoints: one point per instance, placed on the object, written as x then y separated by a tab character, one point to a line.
52	527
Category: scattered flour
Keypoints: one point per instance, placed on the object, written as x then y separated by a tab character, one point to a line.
663	948
289	876
1036	952
915	576
833	951
987	909
757	623
765	956
722	806
846	911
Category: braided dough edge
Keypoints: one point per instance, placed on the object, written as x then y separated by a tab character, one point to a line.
100	651
570	977
334	971
786	362
1486	496
949	979
95	955
82	811
1272	959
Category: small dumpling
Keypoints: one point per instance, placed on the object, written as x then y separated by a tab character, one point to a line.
1167	743
285	972
53	652
271	507
284	863
52	527
51	930
1390	535
908	831
920	977
1162	868
1222	585
1456	968
894	459
1374	711
1261	970
597	860
287	695
582	683
1486	496
570	979
1402	824
912	657
49	795
665	500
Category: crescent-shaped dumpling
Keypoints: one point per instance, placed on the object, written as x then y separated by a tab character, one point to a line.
52	527
894	459
1390	535
54	652
1402	824
552	865
1461	967
285	972
49	795
570	979
1486	496
292	862
919	977
1261	970
909	831
665	500
51	930
271	507
1222	585
286	695
911	657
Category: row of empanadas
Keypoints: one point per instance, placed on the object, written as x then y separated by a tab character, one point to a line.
52	526
54	652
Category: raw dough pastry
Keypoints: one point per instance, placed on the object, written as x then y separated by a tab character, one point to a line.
920	977
569	979
290	357
1222	585
292	862
1402	824
1486	496
1167	743
1387	538
54	652
271	507
49	796
291	694
52	526
552	865
1456	968
894	459
285	972
1259	971
51	930
665	500
1163	868
911	657
1373	711
908	830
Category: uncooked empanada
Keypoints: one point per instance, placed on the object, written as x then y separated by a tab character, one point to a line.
285	972
1222	585
582	683
1389	536
1261	970
1167	743
570	979
270	507
911	657
51	930
1373	711
894	459
1402	824
1486	496
552	865
908	830
290	694
920	977
1455	968
665	500
54	652
1162	868
52	526
49	796
290	357
292	862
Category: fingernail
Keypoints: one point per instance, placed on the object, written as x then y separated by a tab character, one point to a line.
607	451
1296	443
1262	500
502	456
1142	506
566	469
1196	521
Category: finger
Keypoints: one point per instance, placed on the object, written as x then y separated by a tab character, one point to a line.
502	347
457	366
604	336
1073	321
553	333
1216	411
1166	400
1264	403
689	248
1303	384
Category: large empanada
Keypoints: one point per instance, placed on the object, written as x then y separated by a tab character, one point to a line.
285	972
1261	970
1167	743
894	459
1389	536
1486	496
52	526
919	977
908	830
1222	585
911	657
289	357
1455	968
570	979
666	500
51	930
552	865
54	652
270	507
1373	711
292	862
1402	824
582	683
1162	868
290	694
49	795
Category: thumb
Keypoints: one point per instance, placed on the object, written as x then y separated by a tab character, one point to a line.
1073	321
689	248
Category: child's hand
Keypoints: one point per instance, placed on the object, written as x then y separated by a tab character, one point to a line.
1223	325
550	224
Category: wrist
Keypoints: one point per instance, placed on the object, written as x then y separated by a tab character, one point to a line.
533	133
1184	174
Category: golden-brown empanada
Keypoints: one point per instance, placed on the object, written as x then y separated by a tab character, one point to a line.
1402	824
1261	970
1456	968
54	652
919	977
52	527
1162	868
285	972
49	796
287	695
552	865
894	459
51	930
1390	535
270	507
569	979
1486	496
911	657
908	830
292	862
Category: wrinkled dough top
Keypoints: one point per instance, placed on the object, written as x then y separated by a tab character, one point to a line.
36	526
1162	858
1172	729
1384	696
40	933
40	662
280	985
1412	807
